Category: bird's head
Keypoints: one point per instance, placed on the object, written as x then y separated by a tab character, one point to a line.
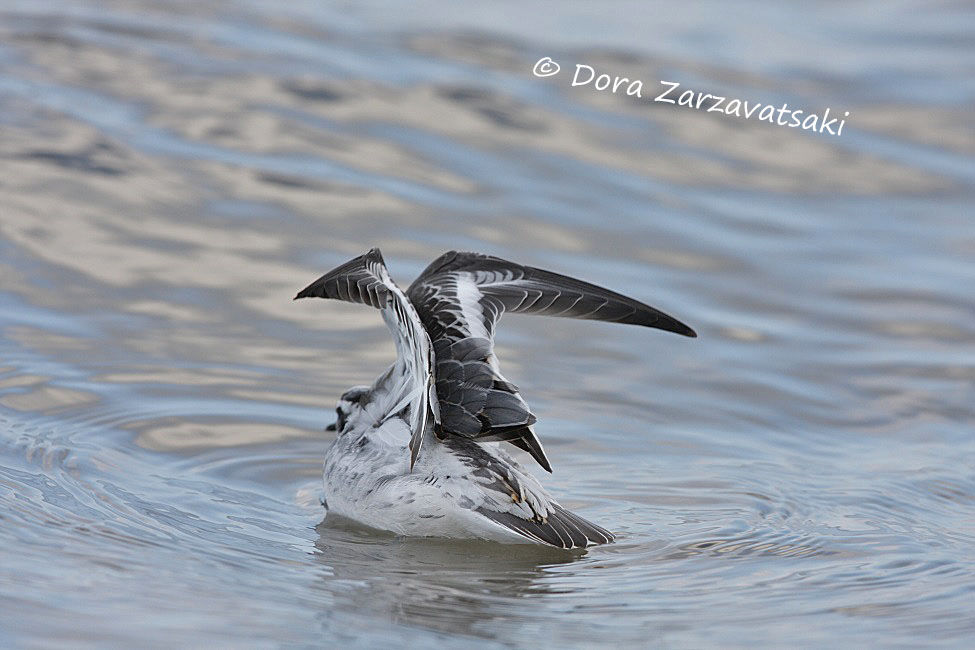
348	407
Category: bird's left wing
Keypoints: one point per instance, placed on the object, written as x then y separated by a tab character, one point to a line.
366	280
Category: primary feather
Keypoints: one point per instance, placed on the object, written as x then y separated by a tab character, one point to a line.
461	296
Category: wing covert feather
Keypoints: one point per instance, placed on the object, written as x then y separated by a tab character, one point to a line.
460	297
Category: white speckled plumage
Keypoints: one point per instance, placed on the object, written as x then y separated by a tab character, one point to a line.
367	478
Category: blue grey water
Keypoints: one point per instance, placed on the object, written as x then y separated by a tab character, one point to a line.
803	474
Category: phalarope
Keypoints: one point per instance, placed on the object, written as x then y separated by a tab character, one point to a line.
420	451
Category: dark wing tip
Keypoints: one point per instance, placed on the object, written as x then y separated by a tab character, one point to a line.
309	291
317	288
671	324
529	442
648	316
561	529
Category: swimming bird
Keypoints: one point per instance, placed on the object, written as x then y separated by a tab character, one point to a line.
421	451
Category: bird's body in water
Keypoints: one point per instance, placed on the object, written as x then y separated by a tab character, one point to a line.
422	452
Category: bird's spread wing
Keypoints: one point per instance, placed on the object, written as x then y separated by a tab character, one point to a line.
365	280
459	299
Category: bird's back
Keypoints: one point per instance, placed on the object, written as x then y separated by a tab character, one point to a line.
459	489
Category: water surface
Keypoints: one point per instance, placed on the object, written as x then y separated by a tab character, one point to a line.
801	474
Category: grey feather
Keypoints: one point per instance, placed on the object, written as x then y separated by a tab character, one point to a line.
366	280
517	505
461	296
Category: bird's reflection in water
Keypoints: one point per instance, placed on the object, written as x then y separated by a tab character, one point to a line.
456	586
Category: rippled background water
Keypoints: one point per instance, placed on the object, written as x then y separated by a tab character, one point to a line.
172	172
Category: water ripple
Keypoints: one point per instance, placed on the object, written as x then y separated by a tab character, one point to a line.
799	475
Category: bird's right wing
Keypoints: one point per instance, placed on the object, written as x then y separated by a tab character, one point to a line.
460	298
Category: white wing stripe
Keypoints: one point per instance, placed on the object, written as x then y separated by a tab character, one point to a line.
468	296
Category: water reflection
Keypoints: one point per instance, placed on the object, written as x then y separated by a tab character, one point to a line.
460	587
